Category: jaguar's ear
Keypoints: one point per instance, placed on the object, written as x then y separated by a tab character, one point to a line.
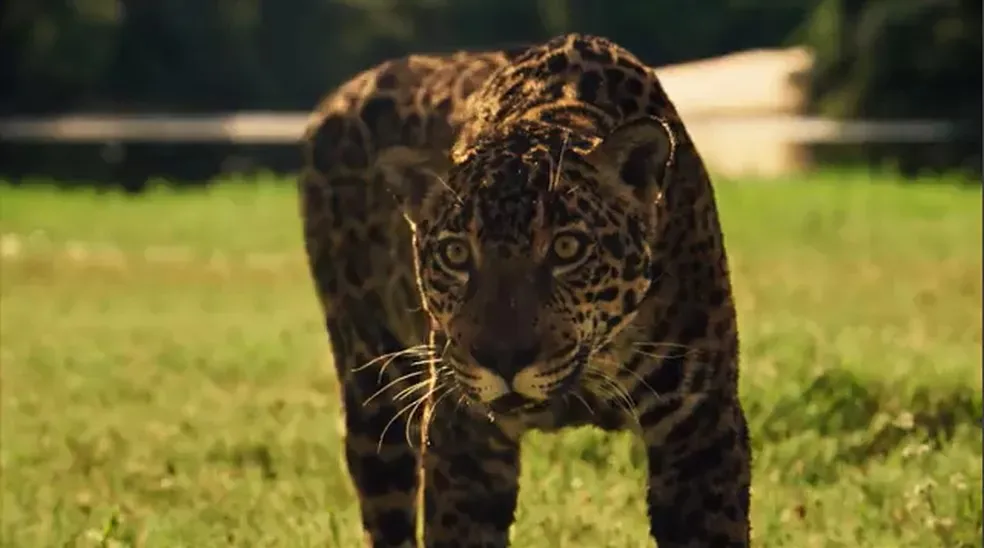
637	156
414	177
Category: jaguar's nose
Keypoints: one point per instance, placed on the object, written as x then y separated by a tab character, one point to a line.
505	360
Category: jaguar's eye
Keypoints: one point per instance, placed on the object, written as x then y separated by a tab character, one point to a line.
568	248
455	254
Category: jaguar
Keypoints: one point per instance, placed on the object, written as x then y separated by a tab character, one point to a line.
516	240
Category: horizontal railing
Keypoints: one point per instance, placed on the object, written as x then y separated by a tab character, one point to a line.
287	127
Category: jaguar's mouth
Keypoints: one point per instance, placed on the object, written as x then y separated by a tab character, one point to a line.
514	403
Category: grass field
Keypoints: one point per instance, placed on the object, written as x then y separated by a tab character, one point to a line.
166	380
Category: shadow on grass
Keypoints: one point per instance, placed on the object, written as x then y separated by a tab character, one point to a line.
869	419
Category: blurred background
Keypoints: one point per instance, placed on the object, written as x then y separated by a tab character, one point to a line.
166	376
805	67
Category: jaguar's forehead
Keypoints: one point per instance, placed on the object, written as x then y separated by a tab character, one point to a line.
509	200
506	212
523	183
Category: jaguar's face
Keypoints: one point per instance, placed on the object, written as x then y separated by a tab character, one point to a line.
528	285
528	279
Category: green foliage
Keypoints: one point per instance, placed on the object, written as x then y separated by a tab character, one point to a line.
897	58
276	54
901	59
166	380
55	51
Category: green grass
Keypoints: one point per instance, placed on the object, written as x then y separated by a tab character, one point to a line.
163	399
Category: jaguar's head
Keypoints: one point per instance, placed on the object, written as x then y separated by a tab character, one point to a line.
530	261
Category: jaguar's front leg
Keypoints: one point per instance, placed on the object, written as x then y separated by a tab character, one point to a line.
699	473
471	478
382	465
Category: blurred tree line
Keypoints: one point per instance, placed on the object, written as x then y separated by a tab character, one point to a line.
876	58
897	59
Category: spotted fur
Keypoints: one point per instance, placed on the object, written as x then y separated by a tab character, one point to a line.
517	240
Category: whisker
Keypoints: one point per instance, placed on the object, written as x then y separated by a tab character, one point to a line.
615	392
408	422
393	355
411	407
614	387
653	344
408	391
396	416
641	380
663	356
620	367
427	406
393	382
616	399
435	384
584	402
434	407
445	184
560	162
425	355
429	361
387	359
428	386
